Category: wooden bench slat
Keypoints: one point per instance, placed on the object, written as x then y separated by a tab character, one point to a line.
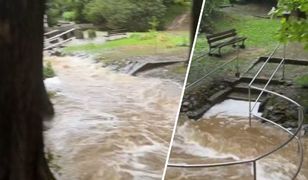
218	38
232	41
221	33
221	39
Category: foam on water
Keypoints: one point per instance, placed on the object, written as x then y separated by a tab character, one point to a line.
109	125
53	84
231	107
223	135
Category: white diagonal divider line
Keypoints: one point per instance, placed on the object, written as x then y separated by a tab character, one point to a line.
183	89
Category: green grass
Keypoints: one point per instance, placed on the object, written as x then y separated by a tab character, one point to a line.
180	69
48	71
261	39
302	81
260	32
151	40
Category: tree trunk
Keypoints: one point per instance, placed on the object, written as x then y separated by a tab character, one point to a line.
196	9
197	5
23	98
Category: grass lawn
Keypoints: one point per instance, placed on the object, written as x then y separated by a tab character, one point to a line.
261	40
137	44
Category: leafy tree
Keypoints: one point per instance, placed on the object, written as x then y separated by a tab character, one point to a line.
210	8
294	24
71	10
133	15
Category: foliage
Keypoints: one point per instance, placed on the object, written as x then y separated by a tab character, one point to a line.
302	81
176	2
71	10
208	14
154	23
69	15
48	71
294	27
79	34
133	15
91	33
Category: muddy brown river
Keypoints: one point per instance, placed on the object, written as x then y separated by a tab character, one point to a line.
224	135
108	125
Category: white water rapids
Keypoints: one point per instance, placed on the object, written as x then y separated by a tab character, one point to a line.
108	125
224	135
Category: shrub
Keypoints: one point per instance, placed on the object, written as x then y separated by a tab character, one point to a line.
48	71
91	33
132	15
69	15
302	81
79	34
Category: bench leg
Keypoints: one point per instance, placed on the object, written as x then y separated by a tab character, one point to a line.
210	52
242	45
219	52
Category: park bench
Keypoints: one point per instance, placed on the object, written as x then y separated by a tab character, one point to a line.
115	32
219	40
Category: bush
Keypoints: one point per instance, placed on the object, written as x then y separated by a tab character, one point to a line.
48	71
91	33
208	13
132	15
69	16
53	15
78	34
302	81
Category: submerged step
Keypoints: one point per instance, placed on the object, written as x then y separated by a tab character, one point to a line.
260	80
287	61
220	95
244	96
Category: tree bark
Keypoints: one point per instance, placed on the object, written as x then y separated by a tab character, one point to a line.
197	5
23	98
196	9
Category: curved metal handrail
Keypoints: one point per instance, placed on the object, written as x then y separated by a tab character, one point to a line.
295	135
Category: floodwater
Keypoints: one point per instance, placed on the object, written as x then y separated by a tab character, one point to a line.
108	125
224	135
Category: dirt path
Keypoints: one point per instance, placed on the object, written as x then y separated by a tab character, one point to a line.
180	23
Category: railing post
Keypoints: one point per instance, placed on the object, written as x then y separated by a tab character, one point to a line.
249	98
254	170
300	119
237	74
298	127
283	65
300	116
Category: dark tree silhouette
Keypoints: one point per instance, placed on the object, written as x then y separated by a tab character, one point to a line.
197	5
23	99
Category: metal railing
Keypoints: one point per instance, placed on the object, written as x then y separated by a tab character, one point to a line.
190	86
235	59
296	135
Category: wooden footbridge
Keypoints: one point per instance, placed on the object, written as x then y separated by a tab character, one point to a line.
57	38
